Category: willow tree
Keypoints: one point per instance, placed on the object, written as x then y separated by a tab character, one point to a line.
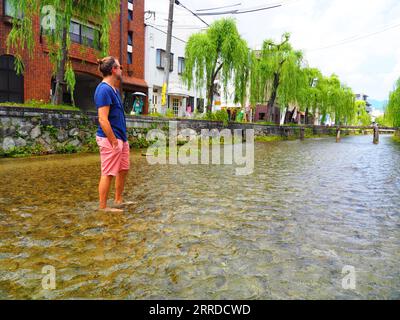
218	52
392	112
310	94
276	74
363	118
337	101
55	17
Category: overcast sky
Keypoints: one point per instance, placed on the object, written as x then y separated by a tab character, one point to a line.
369	61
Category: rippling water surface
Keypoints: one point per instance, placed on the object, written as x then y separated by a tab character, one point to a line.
200	232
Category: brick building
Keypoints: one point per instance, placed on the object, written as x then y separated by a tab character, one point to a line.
126	43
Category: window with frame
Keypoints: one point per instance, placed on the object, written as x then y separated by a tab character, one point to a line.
9	10
85	35
130	58
160	60
130	38
11	84
175	106
181	65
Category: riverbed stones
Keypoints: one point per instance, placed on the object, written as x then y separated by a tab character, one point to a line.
8	143
16	122
74	132
36	132
20	142
35	120
10	131
46	137
75	143
25	130
62	135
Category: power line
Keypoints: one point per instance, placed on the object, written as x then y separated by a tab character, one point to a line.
196	15
355	38
241	11
180	27
224	7
155	27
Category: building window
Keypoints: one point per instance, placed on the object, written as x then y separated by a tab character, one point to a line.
11	84
85	35
175	106
181	65
130	10
130	38
160	60
130	58
75	32
9	10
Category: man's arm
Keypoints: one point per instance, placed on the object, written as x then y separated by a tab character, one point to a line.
106	126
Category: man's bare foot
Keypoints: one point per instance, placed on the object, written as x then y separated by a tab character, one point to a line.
111	210
121	204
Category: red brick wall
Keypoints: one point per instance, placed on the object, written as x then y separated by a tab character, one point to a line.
38	70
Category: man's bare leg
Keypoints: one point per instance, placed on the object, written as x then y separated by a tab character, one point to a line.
119	186
104	188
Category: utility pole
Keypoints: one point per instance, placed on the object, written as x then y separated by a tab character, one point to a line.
167	58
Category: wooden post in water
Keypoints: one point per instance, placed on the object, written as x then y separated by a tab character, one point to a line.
338	134
376	134
302	133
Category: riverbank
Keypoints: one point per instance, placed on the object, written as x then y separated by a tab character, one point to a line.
35	131
396	136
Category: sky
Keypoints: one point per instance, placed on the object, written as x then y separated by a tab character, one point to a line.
359	40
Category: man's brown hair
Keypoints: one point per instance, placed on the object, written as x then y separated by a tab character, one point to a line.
106	65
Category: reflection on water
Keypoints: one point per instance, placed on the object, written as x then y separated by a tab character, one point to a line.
201	232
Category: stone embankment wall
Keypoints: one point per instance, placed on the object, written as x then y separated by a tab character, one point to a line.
37	131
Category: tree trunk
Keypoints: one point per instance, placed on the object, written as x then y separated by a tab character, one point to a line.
271	101
59	88
306	117
211	88
210	97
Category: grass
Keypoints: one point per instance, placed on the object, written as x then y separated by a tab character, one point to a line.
270	139
39	105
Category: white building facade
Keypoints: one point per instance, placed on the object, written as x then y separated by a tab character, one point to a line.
182	101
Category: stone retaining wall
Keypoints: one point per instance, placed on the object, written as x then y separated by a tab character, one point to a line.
41	131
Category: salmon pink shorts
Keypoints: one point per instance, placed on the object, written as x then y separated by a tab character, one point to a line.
113	160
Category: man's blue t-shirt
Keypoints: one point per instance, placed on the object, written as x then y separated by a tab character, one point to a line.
105	95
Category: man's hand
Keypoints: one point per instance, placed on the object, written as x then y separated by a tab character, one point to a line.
115	145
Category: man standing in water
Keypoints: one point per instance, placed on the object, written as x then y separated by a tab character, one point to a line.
111	134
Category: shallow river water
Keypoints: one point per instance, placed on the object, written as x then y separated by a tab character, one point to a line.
199	232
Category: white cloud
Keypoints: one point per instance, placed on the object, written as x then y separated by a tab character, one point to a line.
370	65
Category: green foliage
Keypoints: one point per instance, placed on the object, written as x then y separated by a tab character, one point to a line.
18	152
220	115
269	138
139	143
170	113
51	129
68	148
363	118
40	105
276	71
22	38
384	121
219	51
392	113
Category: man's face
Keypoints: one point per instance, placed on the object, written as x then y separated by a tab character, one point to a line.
117	70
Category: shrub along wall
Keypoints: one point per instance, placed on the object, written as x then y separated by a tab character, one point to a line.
26	131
